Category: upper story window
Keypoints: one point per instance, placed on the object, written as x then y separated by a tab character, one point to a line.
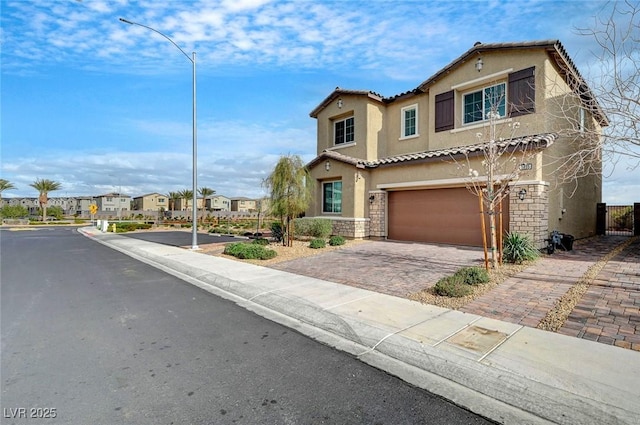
480	105
344	131
409	121
511	99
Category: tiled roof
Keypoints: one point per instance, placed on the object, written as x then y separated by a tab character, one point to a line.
337	92
555	49
538	141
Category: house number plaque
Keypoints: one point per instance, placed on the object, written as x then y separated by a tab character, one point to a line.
526	166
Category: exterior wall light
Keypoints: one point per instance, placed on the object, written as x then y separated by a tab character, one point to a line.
340	103
327	165
479	64
371	199
522	194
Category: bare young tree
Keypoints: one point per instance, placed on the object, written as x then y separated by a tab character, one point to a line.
611	98
491	167
618	84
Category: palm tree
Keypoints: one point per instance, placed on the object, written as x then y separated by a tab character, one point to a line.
290	186
5	185
44	186
205	192
186	195
173	197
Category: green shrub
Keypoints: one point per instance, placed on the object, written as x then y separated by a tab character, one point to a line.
261	241
249	251
321	228
336	240
317	243
302	227
13	211
313	227
123	227
473	275
518	248
233	248
452	286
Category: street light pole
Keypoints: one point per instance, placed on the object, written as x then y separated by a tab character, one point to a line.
192	59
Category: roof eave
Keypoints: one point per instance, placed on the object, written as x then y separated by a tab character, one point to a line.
343	92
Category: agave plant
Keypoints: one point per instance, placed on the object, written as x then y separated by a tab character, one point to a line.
518	248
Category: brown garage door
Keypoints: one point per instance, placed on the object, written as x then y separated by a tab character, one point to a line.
448	216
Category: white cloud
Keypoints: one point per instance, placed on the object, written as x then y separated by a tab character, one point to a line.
389	44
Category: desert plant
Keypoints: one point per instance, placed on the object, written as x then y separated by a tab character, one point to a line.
313	227
473	275
261	241
336	240
518	248
321	227
317	243
452	286
249	251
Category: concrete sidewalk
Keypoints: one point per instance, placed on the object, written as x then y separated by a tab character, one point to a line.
504	371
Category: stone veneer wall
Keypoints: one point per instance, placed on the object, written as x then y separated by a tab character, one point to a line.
377	210
531	215
354	228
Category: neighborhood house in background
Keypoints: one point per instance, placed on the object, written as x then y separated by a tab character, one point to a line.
121	205
387	167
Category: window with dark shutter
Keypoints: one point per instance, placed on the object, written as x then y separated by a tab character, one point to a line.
444	111
522	92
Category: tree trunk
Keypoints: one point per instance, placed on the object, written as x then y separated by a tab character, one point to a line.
492	233
42	199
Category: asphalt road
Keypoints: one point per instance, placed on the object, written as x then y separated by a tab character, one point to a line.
91	336
180	238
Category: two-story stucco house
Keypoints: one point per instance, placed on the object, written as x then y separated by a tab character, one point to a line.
218	203
242	204
386	167
114	202
151	202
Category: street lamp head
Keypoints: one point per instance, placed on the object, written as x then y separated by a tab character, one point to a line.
125	21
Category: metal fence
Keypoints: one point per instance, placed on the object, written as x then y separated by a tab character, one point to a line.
617	220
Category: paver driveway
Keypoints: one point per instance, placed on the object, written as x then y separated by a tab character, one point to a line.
393	268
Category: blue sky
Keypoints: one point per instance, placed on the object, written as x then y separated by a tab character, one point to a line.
100	105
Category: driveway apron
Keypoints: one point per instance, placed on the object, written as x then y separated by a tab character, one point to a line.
392	268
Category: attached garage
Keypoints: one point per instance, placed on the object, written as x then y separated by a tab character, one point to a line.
446	216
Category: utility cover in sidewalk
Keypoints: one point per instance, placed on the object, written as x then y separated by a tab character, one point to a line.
477	339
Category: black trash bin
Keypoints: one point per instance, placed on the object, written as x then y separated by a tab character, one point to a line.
566	243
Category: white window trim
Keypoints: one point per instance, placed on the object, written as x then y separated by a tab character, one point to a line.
482	89
402	122
329	212
333	134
